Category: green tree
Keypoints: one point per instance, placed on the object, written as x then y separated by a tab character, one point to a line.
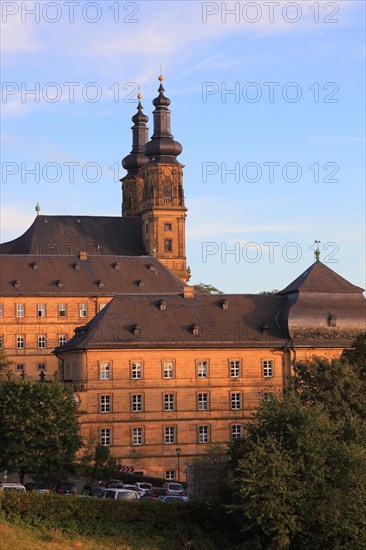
39	429
5	362
203	288
299	475
96	461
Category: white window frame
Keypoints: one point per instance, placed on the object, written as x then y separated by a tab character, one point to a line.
137	402
136	370
1	310
62	339
105	370
169	435
1	341
41	341
168	370
236	431
170	475
203	434
20	310
268	366
62	310
169	402
202	369
235	368
83	310
105	437
236	401
20	367
20	341
41	310
203	401
43	367
137	436
105	404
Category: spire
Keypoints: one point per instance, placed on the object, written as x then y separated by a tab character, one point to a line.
136	159
37	208
162	147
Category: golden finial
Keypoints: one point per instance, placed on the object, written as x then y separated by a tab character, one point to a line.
139	95
160	77
317	251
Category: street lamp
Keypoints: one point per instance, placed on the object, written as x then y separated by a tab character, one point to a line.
178	451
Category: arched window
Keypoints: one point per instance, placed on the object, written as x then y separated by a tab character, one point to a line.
167	190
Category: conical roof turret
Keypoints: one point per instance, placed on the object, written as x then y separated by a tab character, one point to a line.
136	159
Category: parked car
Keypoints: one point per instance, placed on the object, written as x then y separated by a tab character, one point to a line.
157	492
33	487
143	486
173	488
115	483
119	494
93	490
12	487
173	499
66	488
134	488
146	498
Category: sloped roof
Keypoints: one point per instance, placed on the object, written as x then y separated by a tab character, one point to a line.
27	275
320	278
60	235
250	321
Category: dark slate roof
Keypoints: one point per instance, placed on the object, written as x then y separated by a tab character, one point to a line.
59	235
320	278
97	275
249	322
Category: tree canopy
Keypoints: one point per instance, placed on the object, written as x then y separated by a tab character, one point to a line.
203	288
299	475
39	429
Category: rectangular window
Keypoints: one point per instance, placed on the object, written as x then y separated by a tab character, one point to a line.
235	401
169	435
105	437
169	402
136	370
202	401
137	435
83	310
202	434
168	245
168	369
20	341
136	403
1	341
62	339
236	431
62	310
202	369
1	310
20	367
20	309
42	366
167	227
105	371
105	404
41	310
267	396
234	369
170	475
41	341
268	368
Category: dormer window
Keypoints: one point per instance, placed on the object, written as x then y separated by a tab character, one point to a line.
195	330
225	305
264	328
332	321
117	266
151	268
35	266
100	284
163	305
60	283
140	283
77	266
17	283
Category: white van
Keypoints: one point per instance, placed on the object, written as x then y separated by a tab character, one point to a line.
119	494
12	487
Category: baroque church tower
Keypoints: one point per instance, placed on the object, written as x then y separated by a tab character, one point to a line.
153	187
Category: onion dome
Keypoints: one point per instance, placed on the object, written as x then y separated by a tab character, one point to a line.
136	159
162	147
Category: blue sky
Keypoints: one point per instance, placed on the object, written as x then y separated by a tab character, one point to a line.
270	167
